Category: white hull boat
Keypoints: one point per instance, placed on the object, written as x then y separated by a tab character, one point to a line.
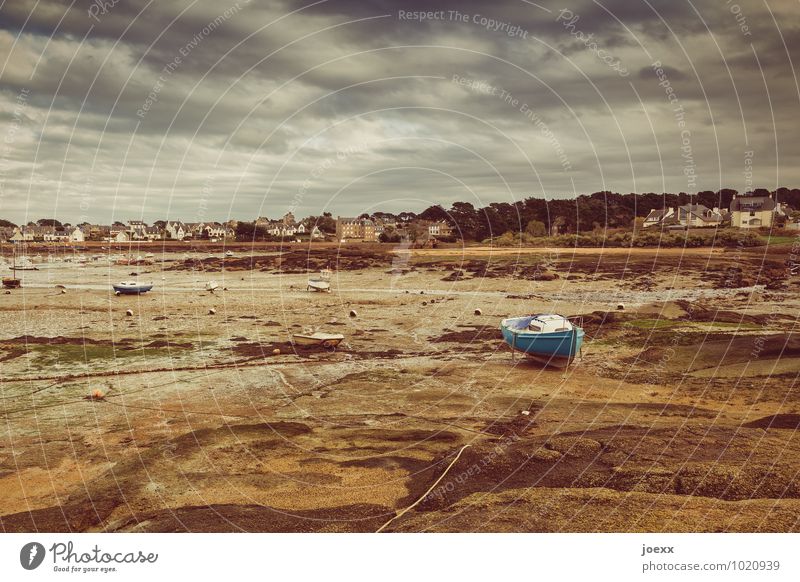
321	283
132	288
325	340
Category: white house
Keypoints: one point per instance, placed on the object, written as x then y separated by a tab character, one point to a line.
176	230
152	233
77	235
751	211
659	217
136	230
214	230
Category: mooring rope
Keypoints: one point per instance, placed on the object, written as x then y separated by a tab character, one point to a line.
424	495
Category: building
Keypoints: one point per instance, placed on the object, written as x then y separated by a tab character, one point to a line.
751	211
119	234
440	229
686	216
152	233
362	229
77	234
279	229
96	231
659	217
136	230
51	233
175	230
214	230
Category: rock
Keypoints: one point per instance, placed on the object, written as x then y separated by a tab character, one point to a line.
478	312
454	276
96	394
276	352
620	307
353	313
129	313
212	311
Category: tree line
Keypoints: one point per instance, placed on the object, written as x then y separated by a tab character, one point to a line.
586	213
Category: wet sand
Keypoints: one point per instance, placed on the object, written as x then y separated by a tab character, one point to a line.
681	415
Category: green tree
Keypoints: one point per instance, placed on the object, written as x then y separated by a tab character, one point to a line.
536	228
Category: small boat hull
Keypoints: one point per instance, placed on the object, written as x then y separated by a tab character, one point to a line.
325	340
132	289
556	349
11	283
319	285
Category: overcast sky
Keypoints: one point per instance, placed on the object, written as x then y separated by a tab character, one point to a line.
209	110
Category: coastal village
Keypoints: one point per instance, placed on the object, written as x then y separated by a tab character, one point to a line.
748	211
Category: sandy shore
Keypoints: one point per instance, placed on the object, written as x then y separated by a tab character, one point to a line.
681	415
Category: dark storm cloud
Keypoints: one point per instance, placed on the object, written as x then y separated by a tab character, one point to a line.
183	108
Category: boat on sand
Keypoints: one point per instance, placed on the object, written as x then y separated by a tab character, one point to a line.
320	283
548	338
131	288
326	340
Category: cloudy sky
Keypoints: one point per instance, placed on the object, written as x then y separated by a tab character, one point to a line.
216	109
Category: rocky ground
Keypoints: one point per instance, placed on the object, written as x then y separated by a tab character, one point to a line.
195	413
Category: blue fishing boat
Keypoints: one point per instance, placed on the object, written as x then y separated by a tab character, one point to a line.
131	288
548	338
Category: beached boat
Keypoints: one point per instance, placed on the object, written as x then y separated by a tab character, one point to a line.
325	340
132	288
321	283
11	283
229	253
211	285
548	338
24	264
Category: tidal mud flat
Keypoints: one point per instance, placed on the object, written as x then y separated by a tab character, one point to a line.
196	413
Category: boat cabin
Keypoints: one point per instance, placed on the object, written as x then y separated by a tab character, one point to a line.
545	323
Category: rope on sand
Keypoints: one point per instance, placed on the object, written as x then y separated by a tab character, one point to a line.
424	495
